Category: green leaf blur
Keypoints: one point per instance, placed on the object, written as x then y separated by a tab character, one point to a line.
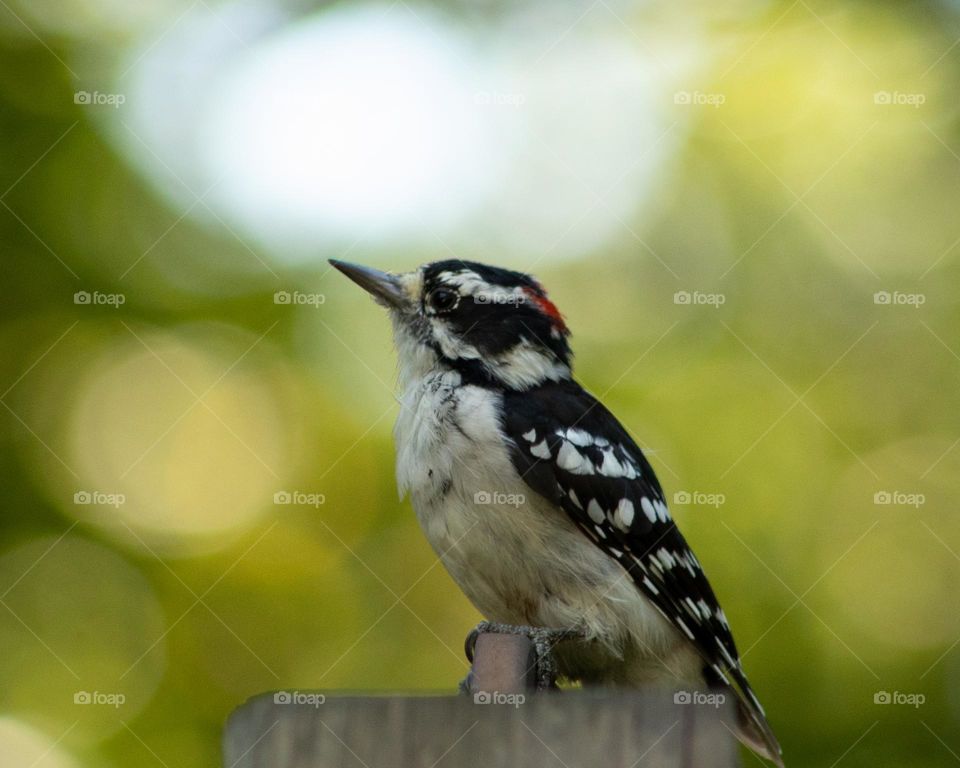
758	256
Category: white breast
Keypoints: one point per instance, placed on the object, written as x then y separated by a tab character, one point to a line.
518	558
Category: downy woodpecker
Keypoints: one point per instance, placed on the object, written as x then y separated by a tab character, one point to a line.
536	499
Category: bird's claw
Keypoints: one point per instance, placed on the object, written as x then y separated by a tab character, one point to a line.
544	640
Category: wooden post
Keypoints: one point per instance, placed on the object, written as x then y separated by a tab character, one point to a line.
502	724
577	729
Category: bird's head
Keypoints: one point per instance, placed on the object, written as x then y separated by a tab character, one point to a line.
493	325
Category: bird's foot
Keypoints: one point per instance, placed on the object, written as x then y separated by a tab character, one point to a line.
544	639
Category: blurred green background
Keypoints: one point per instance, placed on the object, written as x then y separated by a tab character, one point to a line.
747	213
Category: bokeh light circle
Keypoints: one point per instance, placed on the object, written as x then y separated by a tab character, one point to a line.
355	122
80	620
21	744
178	443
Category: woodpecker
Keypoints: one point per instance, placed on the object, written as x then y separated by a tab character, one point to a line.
538	502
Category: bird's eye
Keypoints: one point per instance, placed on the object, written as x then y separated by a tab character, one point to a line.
442	299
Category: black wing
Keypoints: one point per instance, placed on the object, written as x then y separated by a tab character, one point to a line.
570	449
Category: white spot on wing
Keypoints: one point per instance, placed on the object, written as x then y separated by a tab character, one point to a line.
684	627
530	436
624	513
666	558
662	512
578	437
611	467
704	609
648	509
756	702
595	512
723	676
570	459
726	655
540	450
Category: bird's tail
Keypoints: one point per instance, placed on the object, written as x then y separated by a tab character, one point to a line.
752	726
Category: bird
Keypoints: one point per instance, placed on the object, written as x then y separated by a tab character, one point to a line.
538	502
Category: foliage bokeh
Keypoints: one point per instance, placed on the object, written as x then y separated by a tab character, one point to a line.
747	214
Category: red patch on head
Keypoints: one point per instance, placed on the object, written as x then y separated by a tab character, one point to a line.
539	299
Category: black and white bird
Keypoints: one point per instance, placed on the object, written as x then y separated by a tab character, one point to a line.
537	500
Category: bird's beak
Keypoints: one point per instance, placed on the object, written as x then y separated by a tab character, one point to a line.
385	288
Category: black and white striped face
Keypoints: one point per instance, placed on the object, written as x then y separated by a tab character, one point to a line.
492	324
499	317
